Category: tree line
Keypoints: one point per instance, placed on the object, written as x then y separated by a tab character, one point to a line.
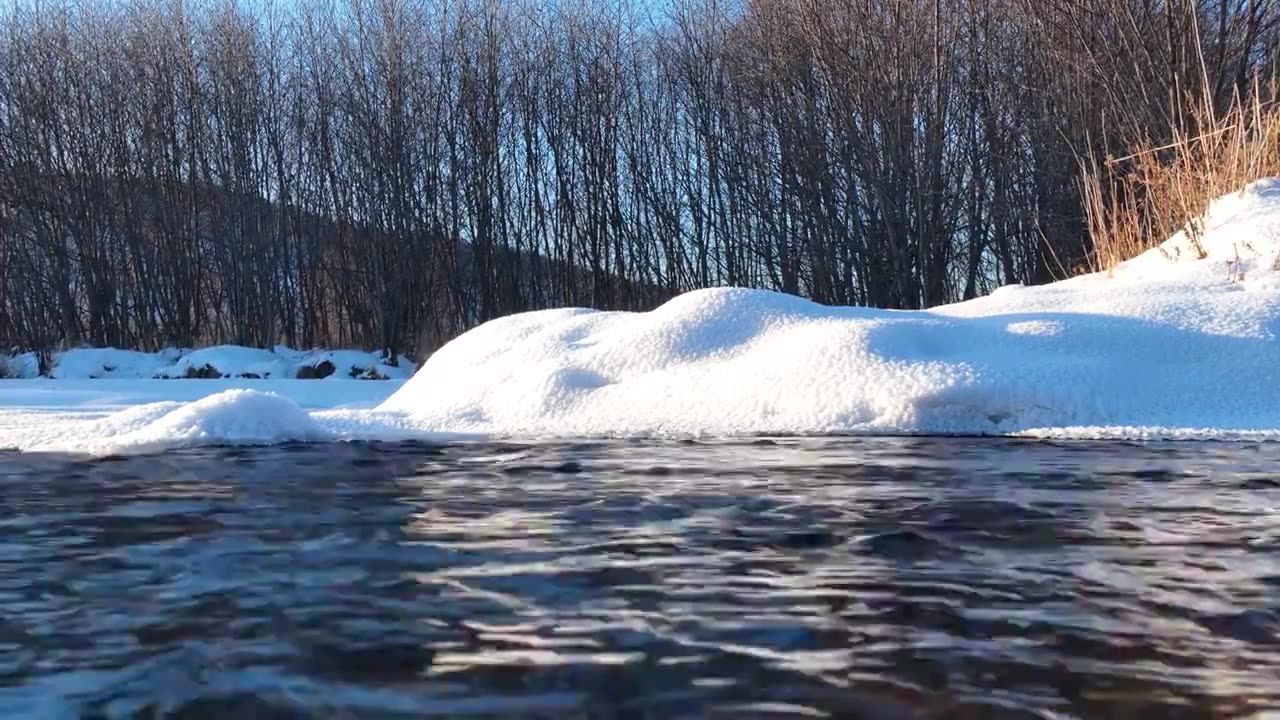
389	173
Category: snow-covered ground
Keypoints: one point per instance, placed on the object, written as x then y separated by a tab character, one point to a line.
222	361
1170	345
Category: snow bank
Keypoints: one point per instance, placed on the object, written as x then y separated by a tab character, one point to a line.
1168	344
222	361
95	363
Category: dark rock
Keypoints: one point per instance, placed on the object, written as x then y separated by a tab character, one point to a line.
319	371
391	662
205	372
360	373
239	705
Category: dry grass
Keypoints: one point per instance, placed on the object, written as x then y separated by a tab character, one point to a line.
1136	202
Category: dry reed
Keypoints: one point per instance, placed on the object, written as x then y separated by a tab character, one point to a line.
1136	202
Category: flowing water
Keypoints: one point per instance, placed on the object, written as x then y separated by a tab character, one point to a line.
861	578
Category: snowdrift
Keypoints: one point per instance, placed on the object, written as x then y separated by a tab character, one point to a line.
1170	344
1180	342
230	417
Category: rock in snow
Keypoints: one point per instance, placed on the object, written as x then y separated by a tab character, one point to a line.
228	361
1168	345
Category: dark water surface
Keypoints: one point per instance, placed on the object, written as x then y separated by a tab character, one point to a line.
885	578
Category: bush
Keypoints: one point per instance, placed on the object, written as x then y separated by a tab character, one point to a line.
1136	202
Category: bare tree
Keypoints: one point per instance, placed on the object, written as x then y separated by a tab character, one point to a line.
389	173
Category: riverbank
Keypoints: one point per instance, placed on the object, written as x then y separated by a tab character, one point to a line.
211	363
1178	343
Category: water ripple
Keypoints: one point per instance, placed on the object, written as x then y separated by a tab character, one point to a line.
788	577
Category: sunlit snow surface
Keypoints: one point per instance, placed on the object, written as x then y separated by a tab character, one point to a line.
1170	345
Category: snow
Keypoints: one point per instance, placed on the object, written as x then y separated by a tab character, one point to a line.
231	361
128	416
353	364
110	363
19	366
228	361
1169	345
230	417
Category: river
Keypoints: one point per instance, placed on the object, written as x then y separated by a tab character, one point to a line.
883	578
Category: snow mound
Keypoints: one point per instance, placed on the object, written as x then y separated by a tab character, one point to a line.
95	363
1168	341
231	417
21	366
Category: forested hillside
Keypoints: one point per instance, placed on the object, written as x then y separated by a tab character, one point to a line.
389	173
